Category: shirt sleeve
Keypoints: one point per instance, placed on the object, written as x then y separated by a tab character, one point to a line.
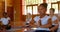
1	19
36	19
55	18
8	18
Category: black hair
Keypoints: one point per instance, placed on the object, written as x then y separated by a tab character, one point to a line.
52	9
4	13
44	5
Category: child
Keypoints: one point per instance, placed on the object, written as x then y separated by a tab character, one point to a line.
5	21
43	21
28	19
54	20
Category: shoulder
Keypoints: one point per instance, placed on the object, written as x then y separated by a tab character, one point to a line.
36	18
55	17
8	18
2	19
47	17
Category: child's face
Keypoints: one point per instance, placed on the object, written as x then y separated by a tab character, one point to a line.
28	15
41	10
51	12
5	15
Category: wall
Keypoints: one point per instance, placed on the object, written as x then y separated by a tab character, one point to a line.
2	7
18	12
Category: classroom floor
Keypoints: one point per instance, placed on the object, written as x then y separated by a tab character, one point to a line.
22	30
19	29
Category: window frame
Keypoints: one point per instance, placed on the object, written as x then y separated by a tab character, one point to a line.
32	7
55	3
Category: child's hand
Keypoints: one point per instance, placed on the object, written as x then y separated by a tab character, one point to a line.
9	24
51	30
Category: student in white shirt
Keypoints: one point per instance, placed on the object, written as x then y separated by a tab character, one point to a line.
28	19
54	20
5	21
43	21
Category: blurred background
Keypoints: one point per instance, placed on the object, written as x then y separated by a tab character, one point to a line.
31	6
18	9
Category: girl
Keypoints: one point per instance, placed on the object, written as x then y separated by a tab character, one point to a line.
43	21
54	20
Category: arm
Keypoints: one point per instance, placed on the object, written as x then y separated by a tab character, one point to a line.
9	21
47	25
56	26
32	23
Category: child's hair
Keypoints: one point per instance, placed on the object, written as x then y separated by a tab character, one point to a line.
4	13
44	5
28	14
52	9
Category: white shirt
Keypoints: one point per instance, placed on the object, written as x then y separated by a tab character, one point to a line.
53	19
36	19
28	20
5	21
44	21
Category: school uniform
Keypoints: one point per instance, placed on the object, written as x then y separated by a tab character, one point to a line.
44	21
53	24
5	22
28	20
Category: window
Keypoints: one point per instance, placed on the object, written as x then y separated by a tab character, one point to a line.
32	8
29	2
49	6
35	11
55	6
29	9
